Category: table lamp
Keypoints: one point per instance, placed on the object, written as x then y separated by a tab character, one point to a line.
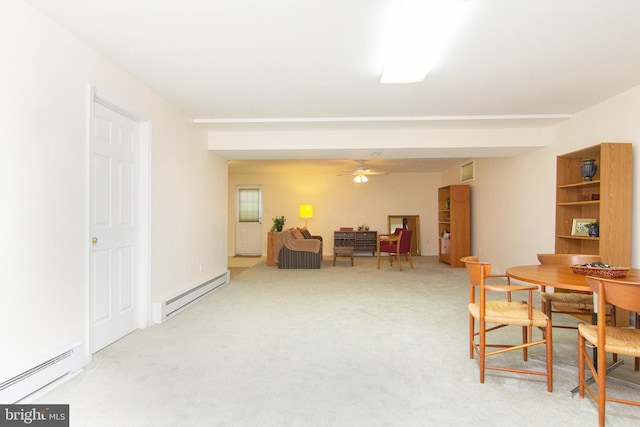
306	212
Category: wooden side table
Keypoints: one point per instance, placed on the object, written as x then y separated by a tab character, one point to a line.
272	244
343	251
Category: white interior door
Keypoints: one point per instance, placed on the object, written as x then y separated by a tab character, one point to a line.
249	220
114	222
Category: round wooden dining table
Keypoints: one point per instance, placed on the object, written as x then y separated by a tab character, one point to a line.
562	277
559	276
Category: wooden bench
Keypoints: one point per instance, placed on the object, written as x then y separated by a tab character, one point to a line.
342	251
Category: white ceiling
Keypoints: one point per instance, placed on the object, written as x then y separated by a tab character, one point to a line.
525	62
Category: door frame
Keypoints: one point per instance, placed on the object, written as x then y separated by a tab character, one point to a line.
237	211
143	228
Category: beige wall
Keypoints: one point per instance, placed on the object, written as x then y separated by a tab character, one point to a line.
503	223
44	123
513	198
340	202
512	215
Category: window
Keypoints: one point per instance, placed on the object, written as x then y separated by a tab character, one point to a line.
248	204
467	172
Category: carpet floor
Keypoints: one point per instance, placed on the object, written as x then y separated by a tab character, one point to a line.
338	346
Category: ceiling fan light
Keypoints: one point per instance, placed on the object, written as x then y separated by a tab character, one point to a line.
361	178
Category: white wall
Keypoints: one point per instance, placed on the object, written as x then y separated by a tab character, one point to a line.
397	135
615	120
189	218
513	213
44	80
44	230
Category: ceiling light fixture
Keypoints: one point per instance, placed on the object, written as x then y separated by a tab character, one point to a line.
423	30
361	178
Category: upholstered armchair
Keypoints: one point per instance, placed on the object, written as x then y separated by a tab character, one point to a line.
396	244
298	249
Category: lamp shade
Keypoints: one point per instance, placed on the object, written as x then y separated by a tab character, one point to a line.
306	211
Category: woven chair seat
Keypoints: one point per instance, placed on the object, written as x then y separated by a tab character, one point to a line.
619	340
572	300
608	339
511	313
502	312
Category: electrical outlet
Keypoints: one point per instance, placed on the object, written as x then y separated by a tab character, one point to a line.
200	267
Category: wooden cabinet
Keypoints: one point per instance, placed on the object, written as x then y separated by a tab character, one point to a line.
606	198
344	238
454	224
366	241
272	243
361	241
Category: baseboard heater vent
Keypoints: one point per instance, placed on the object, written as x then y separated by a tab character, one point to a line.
30	381
175	305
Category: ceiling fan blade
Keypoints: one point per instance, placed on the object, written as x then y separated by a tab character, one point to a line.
360	170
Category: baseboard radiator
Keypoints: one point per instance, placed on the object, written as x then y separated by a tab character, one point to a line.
173	306
32	380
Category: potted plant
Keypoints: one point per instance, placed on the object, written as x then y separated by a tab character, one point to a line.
594	229
278	223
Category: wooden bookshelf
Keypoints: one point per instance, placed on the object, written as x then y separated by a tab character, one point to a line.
454	218
612	183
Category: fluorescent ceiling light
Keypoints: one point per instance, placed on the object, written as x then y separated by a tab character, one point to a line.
423	30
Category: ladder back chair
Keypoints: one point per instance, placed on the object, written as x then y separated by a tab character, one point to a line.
569	302
608	339
503	313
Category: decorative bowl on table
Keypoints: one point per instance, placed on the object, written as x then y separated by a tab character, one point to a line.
599	269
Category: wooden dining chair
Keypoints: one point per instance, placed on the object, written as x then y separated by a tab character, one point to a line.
607	339
503	313
569	302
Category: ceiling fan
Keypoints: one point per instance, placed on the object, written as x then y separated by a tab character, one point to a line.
361	173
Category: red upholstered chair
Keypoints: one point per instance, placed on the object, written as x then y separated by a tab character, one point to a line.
396	244
384	240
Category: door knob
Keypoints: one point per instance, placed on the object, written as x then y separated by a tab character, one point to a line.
94	240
